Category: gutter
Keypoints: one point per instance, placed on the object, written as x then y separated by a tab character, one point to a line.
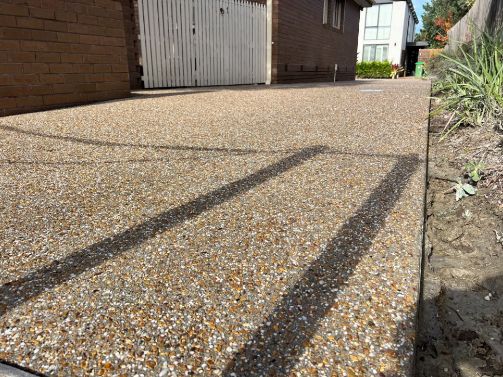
364	3
413	11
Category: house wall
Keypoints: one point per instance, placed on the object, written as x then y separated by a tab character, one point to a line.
402	31
55	53
303	48
131	30
306	50
399	25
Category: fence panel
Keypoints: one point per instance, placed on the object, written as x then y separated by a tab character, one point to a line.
202	42
485	15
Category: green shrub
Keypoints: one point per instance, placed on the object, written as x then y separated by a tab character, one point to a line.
471	89
374	70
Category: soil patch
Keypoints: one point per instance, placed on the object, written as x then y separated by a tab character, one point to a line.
461	314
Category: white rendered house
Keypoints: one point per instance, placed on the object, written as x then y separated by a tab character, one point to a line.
385	30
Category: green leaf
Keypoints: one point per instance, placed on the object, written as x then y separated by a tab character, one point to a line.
474	175
469	189
460	193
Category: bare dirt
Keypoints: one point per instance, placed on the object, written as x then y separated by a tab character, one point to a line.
461	313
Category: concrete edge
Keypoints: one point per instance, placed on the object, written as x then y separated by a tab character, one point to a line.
422	238
10	371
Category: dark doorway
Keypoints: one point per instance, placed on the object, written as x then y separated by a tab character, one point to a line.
412	56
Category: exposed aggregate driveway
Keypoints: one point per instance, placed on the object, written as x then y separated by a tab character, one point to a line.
235	231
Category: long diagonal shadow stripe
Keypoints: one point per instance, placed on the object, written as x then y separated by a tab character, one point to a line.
34	283
280	340
100	143
180	148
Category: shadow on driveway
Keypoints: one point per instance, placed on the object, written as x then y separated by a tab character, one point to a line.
183	91
33	284
280	340
179	148
100	143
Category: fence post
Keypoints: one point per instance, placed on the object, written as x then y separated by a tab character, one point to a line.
269	42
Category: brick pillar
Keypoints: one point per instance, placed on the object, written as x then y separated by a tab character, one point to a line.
131	31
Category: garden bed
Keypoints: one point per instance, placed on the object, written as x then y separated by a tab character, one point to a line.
461	315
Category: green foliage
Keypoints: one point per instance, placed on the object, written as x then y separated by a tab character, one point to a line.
374	70
435	11
438	66
474	170
471	89
463	190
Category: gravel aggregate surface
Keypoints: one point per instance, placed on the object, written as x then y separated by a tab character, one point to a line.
242	231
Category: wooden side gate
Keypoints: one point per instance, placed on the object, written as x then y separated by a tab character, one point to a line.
202	42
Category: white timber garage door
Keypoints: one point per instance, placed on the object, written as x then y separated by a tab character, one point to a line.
202	42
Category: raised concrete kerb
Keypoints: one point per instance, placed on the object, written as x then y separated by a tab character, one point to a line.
8	371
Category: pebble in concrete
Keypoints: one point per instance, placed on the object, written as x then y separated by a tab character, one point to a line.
182	235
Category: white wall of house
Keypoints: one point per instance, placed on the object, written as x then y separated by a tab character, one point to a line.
379	44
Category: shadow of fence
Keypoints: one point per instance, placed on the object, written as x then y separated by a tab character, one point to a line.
280	340
461	332
34	283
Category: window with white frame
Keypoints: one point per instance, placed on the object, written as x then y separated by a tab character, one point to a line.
333	13
338	14
375	53
378	22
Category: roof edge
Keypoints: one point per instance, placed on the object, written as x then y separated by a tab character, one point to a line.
364	3
413	11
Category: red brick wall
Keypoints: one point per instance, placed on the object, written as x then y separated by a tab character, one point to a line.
306	50
55	53
425	55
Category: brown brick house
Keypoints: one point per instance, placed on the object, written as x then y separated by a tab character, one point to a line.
310	36
63	52
284	41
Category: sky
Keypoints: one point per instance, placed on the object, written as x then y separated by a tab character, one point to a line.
418	6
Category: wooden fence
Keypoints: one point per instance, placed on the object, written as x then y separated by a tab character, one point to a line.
485	15
202	42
